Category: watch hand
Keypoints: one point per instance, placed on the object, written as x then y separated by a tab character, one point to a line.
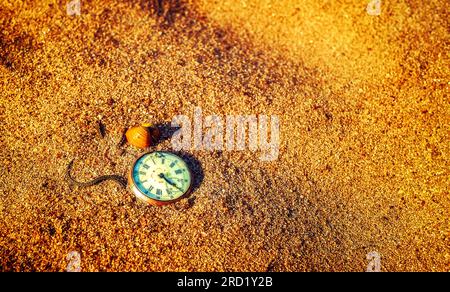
167	185
161	175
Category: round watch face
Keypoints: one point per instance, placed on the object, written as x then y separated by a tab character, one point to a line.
160	178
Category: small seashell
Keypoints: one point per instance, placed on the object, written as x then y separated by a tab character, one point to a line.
142	136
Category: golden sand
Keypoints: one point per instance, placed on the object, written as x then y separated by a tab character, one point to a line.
364	114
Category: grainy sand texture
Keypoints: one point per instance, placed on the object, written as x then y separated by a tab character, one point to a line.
363	104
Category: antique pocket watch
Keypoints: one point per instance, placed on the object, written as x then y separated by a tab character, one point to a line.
160	178
157	178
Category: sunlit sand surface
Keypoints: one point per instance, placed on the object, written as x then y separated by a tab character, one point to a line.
364	142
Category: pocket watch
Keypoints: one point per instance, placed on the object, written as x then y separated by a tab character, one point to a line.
160	178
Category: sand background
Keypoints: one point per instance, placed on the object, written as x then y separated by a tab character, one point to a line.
364	114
